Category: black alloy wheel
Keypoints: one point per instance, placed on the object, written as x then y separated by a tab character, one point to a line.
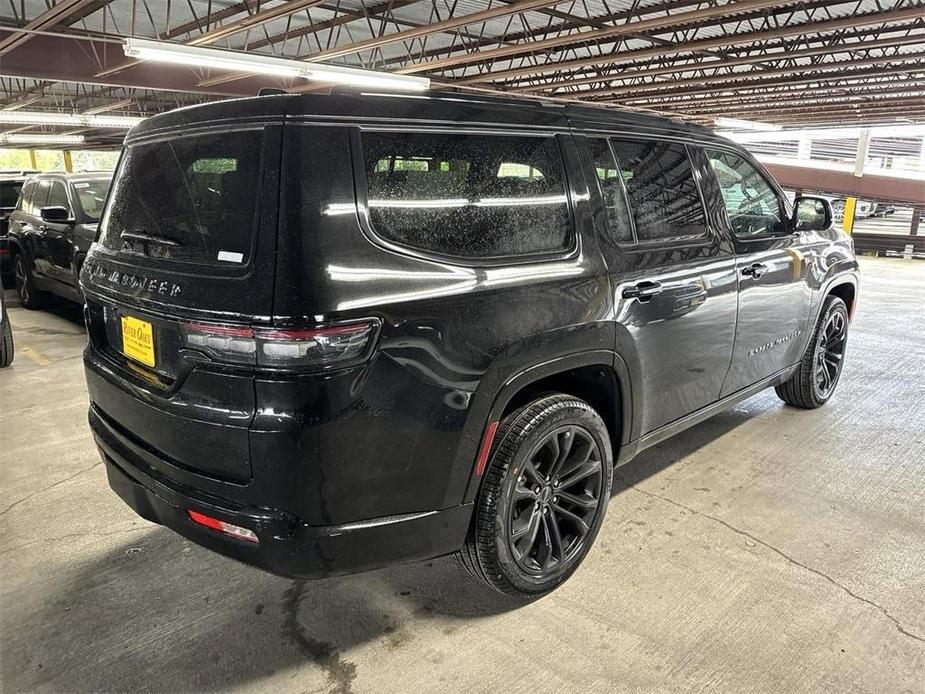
820	368
29	295
543	498
555	500
830	354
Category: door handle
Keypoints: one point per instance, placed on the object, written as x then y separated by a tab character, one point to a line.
643	291
755	270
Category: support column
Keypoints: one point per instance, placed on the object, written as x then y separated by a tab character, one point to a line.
917	211
861	157
68	164
848	220
32	159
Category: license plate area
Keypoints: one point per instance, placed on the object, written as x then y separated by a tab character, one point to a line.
138	340
105	323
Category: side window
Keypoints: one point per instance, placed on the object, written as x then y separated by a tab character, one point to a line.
57	196
473	196
752	205
662	192
24	204
39	197
611	185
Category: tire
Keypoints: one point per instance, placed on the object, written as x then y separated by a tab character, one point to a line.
6	344
529	535
821	366
29	295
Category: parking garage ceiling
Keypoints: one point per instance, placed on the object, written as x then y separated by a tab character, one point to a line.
817	62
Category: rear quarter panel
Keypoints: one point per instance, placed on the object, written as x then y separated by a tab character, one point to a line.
401	435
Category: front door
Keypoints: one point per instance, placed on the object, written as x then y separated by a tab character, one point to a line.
59	237
773	269
673	278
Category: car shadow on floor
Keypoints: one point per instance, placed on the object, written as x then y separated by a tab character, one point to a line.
161	614
56	306
653	460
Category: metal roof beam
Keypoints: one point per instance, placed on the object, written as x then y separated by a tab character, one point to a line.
751	59
840	68
726	10
58	13
740	39
431	28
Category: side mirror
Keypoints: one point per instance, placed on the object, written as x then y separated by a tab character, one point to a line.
57	215
811	214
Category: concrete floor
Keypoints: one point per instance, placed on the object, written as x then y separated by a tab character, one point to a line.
767	550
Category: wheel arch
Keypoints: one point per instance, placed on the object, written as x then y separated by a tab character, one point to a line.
847	291
600	377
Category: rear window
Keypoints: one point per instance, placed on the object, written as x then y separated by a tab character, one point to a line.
190	199
9	193
473	196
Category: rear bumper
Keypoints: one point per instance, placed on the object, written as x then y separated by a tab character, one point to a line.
287	546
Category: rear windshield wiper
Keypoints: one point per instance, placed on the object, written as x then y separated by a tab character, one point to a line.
141	236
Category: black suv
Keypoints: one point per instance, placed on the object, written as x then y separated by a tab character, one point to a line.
11	183
51	230
333	332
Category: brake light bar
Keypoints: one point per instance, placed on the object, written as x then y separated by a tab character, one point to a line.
221	526
332	345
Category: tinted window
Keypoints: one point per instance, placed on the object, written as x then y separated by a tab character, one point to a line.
611	186
475	196
57	196
190	199
39	196
24	203
662	193
9	192
91	196
751	203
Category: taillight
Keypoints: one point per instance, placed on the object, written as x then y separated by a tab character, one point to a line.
333	345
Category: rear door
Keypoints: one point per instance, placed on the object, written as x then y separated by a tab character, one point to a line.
31	232
673	277
773	268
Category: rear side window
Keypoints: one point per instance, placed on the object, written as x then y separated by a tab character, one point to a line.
190	199
473	196
612	192
9	192
662	192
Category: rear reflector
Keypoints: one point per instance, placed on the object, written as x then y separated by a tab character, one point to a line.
487	440
221	526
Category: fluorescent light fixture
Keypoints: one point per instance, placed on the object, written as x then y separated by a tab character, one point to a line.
40	139
164	52
69	119
740	124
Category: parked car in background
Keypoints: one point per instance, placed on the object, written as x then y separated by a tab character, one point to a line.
6	335
11	183
329	333
50	231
